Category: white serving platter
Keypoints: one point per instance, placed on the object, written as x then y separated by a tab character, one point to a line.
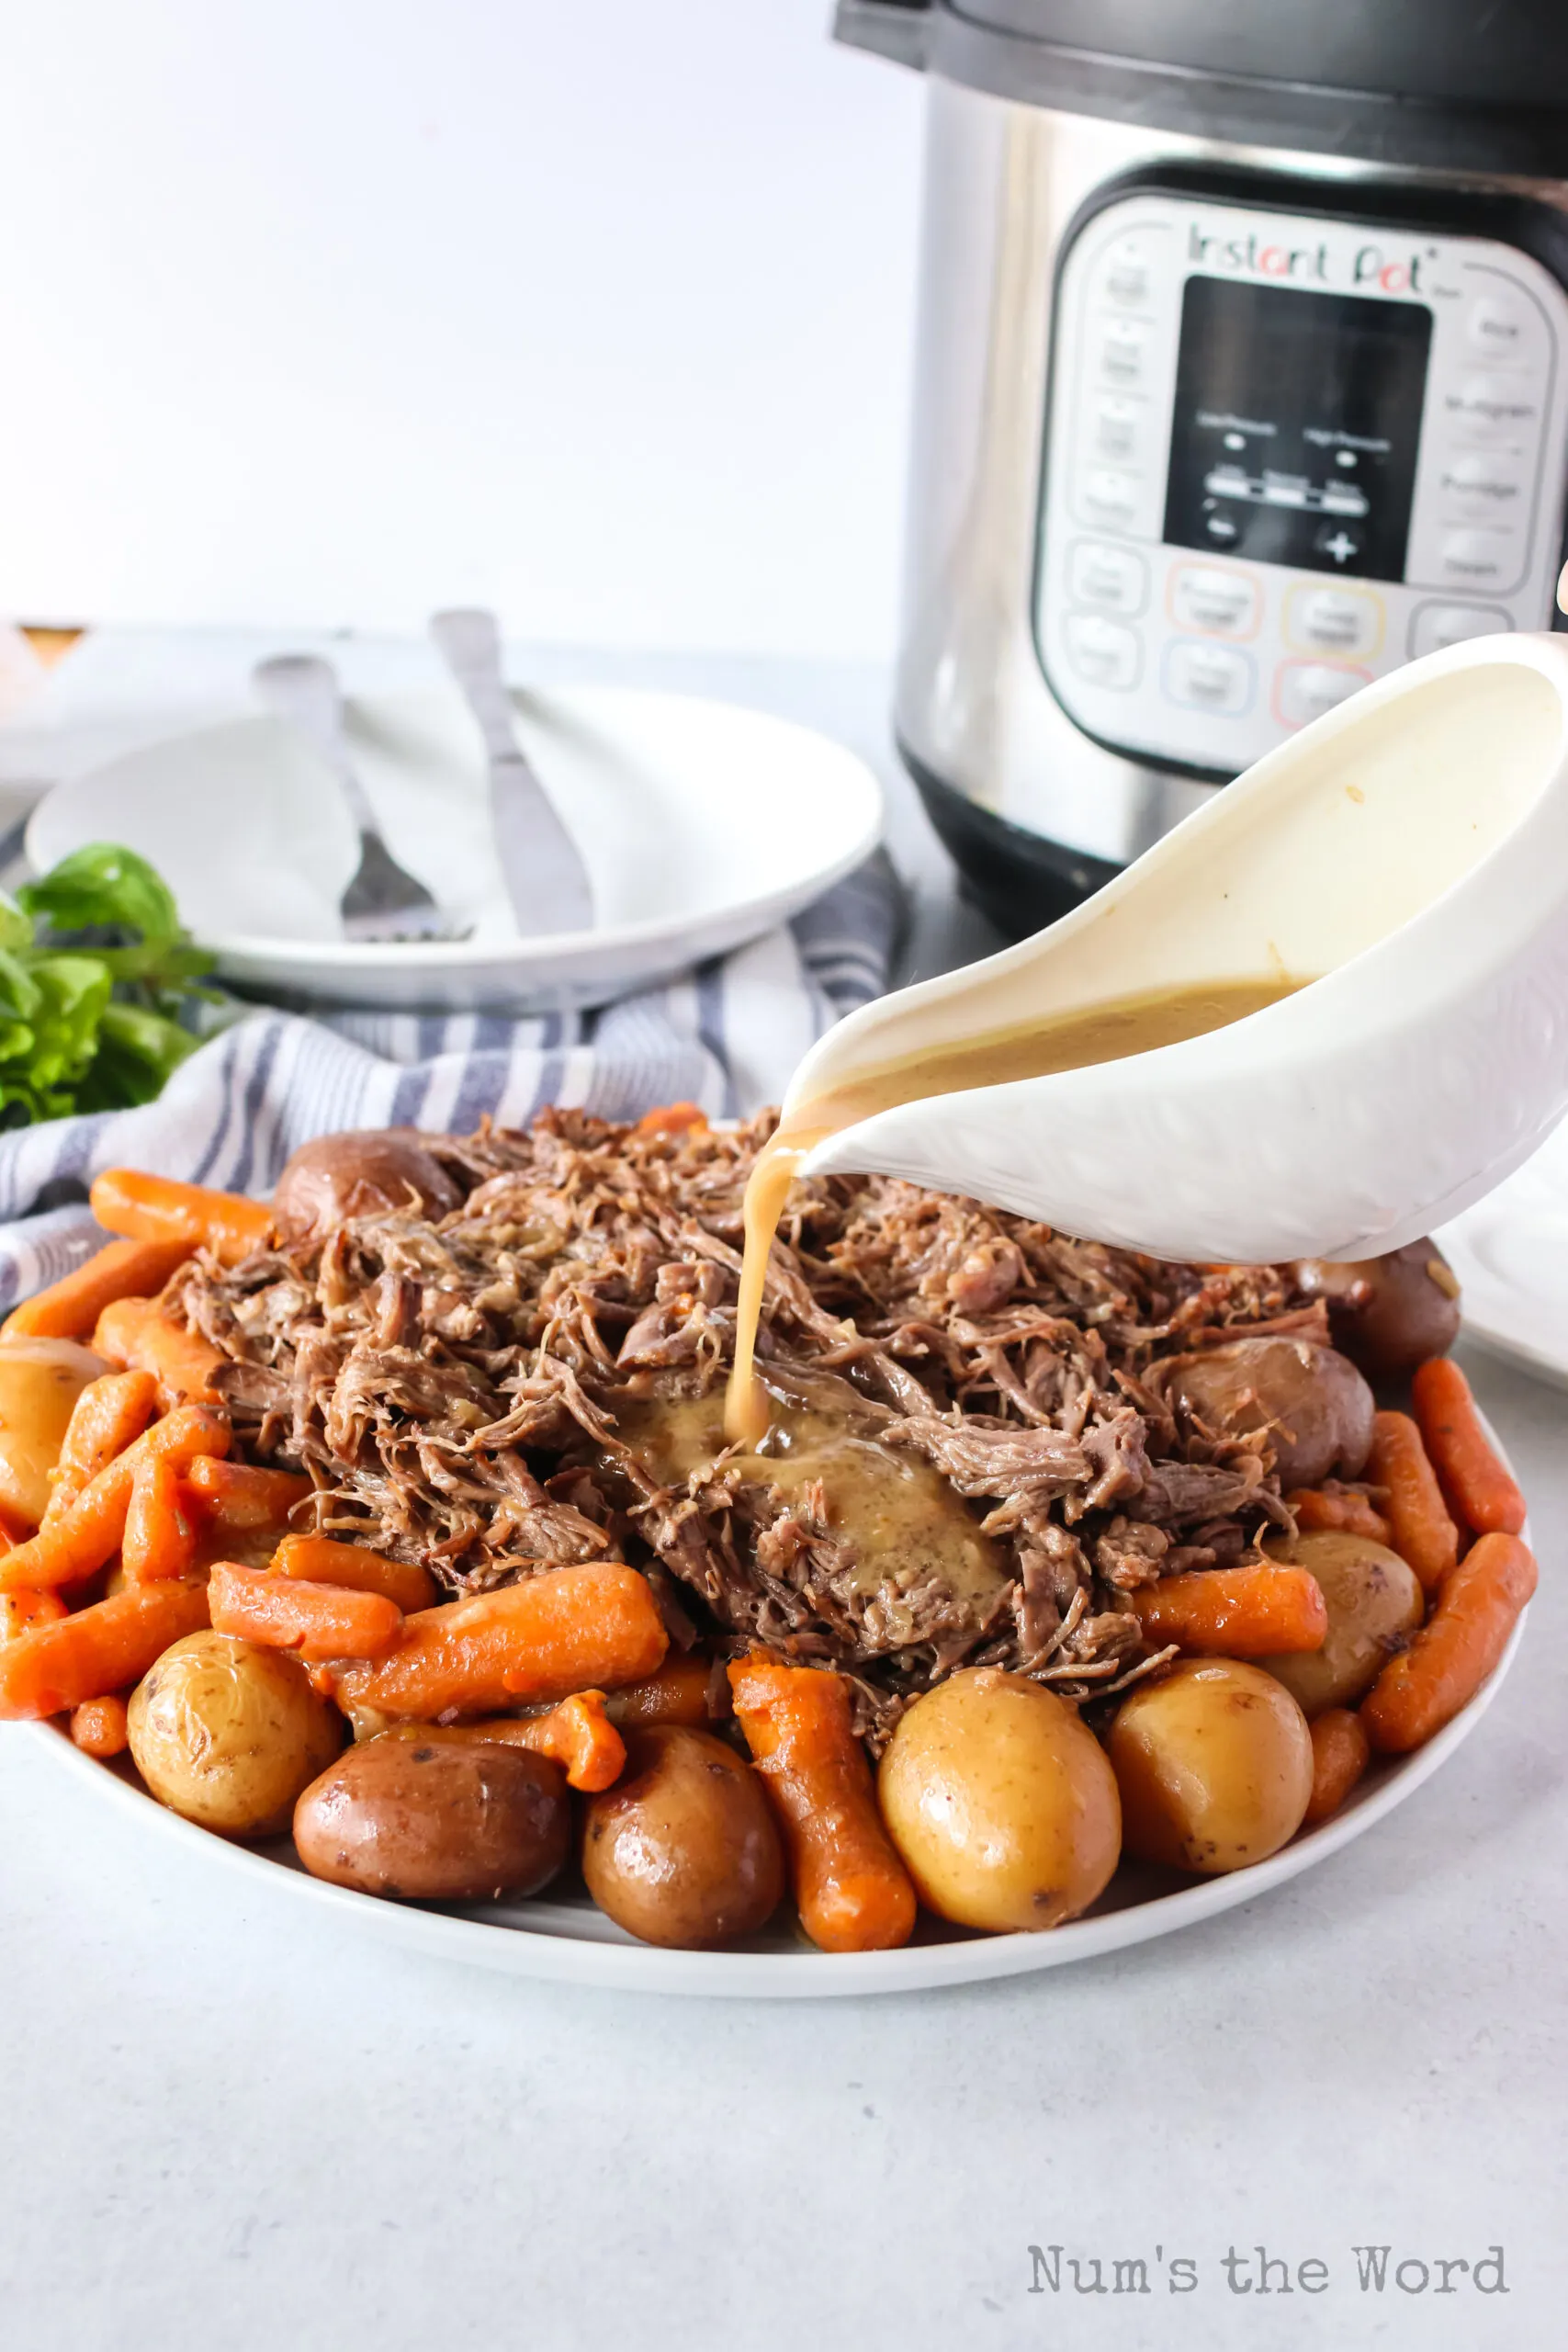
1510	1253
570	1942
702	825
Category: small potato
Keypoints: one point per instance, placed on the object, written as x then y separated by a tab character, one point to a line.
228	1733
1375	1602
1214	1766
683	1850
1001	1802
437	1820
1387	1314
39	1382
361	1174
1319	1408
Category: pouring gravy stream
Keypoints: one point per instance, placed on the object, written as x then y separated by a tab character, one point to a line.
1101	1033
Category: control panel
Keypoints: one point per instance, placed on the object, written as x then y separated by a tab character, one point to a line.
1285	453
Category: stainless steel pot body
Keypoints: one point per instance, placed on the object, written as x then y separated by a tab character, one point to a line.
1013	781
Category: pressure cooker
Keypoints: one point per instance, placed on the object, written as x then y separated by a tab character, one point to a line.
1241	378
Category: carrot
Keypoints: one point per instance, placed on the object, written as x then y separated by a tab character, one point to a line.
85	1534
1341	1508
1340	1754
107	1416
358	1568
671	1119
155	1208
576	1733
853	1893
136	1335
68	1309
240	1498
320	1621
1236	1612
593	1624
1458	1647
1419	1527
678	1693
159	1538
20	1609
98	1726
1481	1490
99	1649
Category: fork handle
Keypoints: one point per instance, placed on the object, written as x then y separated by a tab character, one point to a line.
304	690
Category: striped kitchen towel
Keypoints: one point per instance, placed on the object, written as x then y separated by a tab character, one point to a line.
726	1035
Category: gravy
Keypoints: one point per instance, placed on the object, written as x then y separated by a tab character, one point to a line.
904	1524
1100	1032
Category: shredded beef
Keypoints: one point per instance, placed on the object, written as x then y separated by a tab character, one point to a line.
453	1389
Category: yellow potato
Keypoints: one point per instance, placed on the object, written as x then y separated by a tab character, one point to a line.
1374	1601
229	1734
39	1382
1214	1766
1001	1802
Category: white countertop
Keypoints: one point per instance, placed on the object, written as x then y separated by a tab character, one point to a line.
230	2122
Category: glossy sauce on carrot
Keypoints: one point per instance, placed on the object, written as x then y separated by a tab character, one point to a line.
1101	1033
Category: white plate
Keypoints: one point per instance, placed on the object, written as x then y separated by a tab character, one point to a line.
1510	1253
572	1943
702	825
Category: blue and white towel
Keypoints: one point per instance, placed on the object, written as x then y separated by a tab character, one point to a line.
726	1035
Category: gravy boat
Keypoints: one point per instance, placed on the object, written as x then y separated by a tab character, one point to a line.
1408	854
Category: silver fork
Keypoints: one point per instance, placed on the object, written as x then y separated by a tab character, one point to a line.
383	901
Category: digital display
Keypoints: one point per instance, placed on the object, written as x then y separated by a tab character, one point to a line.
1295	427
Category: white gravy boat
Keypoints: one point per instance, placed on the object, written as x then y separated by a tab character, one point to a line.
1408	853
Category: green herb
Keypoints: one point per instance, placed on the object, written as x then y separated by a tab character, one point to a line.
96	986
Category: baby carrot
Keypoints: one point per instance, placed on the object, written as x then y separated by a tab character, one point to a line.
155	1208
107	1416
592	1624
134	1334
576	1733
1420	1529
320	1560
101	1648
68	1309
853	1893
237	1496
85	1534
678	1693
1480	1490
1458	1647
1343	1509
159	1538
98	1726
671	1119
1236	1612
20	1609
1340	1754
320	1621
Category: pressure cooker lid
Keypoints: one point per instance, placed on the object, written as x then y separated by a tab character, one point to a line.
1446	83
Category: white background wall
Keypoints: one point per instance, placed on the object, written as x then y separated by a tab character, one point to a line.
331	310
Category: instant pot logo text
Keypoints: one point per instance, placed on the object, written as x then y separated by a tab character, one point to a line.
1369	268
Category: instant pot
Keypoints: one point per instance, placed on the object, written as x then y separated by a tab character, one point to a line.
1241	378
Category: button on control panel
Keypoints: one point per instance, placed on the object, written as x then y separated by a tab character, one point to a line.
1434	627
1306	690
1206	676
1283	456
